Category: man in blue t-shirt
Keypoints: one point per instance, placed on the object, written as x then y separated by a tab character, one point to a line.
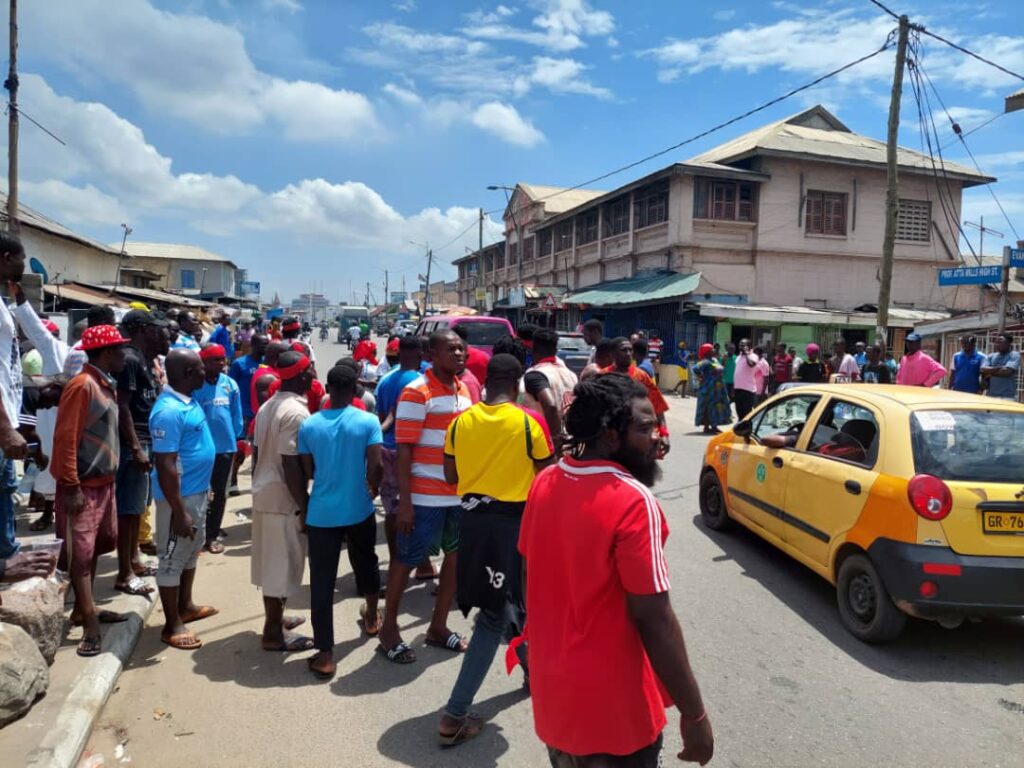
1001	369
222	335
965	373
410	359
183	456
340	452
242	370
221	401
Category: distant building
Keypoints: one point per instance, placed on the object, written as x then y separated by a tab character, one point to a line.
312	305
187	269
442	294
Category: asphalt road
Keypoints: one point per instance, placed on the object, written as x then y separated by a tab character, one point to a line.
784	683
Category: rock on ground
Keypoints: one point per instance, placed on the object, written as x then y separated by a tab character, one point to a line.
37	606
24	674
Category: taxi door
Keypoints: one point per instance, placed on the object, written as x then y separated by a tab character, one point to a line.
757	474
830	477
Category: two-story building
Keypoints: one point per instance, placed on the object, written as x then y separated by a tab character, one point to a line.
187	269
734	242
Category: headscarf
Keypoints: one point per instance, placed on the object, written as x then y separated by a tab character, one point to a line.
813	349
706	351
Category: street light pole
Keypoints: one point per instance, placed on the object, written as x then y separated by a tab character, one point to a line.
518	228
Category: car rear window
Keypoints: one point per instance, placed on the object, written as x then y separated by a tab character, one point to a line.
484	334
573	344
971	445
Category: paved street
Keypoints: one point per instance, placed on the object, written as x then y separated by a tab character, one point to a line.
785	685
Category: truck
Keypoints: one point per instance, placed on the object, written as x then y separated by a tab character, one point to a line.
349	315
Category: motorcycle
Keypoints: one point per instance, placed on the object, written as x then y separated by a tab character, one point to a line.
323	333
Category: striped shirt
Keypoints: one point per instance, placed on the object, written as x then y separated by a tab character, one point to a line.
425	409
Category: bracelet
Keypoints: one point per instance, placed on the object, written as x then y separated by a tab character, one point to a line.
701	719
663	431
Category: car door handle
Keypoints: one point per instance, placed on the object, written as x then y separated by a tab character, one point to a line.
852	486
777	461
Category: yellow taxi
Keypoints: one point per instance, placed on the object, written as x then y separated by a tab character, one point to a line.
909	500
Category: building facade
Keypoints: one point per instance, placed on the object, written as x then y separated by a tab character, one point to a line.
186	269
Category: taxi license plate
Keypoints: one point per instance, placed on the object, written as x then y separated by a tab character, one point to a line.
1003	522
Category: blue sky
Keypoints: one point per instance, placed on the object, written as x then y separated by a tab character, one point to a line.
310	141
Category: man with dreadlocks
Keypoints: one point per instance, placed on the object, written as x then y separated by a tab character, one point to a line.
601	681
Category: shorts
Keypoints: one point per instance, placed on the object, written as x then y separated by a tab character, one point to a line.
278	553
432	528
648	757
389	481
90	533
177	554
132	484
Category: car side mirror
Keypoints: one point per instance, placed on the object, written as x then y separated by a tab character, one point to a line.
744	429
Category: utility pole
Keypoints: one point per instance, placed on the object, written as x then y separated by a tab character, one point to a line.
430	259
481	301
12	125
1004	288
387	293
982	229
892	194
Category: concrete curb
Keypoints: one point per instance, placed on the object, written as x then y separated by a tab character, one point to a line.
63	744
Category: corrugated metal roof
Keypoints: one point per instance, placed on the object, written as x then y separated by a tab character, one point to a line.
817	133
83	295
636	290
30	217
1015	101
152	294
898	317
558	199
174	251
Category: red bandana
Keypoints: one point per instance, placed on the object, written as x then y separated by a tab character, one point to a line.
295	369
212	350
294	326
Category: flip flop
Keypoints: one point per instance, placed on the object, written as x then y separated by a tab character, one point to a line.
291	622
453	643
89	646
470	727
147	570
135	586
214	547
319	673
399	654
380	620
292	644
184	641
203	612
104	617
42	523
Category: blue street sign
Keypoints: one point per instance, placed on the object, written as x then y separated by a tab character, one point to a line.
970	275
1017	257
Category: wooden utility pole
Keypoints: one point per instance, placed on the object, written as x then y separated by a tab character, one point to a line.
480	302
892	194
12	125
430	259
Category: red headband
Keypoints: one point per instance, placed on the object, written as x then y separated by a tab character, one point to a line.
299	347
293	370
212	350
292	326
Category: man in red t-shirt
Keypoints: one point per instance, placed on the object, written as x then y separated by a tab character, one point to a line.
606	653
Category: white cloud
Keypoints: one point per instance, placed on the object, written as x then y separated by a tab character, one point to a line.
410	40
724	15
186	66
78	205
291	6
404	95
561	25
405	6
507	124
313	112
564	76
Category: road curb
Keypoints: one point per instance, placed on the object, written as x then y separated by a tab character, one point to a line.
63	744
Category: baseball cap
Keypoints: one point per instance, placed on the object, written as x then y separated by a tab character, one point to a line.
100	336
913	337
392	348
140	318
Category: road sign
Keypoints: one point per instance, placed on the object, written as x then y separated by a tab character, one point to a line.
970	275
481	294
550	303
1017	257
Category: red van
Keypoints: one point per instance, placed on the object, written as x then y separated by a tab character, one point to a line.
481	332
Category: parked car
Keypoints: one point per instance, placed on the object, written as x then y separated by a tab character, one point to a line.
909	500
573	351
404	327
481	331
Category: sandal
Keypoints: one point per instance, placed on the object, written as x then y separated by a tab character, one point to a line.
363	611
291	622
321	674
135	586
292	644
184	641
104	617
453	643
469	727
202	612
147	570
214	547
400	654
42	523
89	646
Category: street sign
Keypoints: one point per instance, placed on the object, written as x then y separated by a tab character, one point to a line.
397	297
550	303
970	275
480	294
249	289
1017	257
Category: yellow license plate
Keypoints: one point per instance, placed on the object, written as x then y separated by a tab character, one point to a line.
1003	522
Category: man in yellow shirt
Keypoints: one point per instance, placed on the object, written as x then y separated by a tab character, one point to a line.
492	452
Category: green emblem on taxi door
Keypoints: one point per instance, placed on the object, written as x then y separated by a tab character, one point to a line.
762	472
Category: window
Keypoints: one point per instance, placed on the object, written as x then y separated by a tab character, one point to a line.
616	217
588	227
786	417
848	432
651	205
723	200
513	253
528	249
188	278
914	222
969	446
544	241
563	236
826	213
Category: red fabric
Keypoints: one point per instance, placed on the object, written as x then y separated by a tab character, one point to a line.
392	348
783	369
593	687
476	361
315	395
263	370
365	350
653	393
100	336
541	421
291	371
212	350
473	385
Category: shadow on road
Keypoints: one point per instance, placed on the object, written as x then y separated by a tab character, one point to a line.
379	675
985	652
413	742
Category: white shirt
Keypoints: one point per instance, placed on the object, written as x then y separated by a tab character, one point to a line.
10	366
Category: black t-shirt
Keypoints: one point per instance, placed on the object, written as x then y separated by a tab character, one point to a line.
138	382
877	373
814	372
535	382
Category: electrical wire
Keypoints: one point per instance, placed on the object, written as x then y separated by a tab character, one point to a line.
887	10
976	128
888	44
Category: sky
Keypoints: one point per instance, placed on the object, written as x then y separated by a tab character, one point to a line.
320	143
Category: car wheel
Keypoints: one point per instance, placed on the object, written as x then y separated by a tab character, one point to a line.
865	606
712	503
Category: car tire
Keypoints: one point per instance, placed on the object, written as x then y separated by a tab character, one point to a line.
712	503
865	606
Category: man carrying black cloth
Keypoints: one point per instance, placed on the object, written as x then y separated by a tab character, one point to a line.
492	451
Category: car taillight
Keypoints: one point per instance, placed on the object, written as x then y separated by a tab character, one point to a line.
930	497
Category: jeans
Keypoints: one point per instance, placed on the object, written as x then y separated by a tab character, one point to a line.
8	485
219	479
488	631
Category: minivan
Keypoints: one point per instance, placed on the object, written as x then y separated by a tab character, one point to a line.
481	332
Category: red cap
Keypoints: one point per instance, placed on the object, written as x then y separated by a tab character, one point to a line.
212	350
100	336
392	347
51	326
294	325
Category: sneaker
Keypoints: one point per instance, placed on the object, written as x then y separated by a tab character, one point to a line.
242	517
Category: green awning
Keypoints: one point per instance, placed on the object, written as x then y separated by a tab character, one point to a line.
636	290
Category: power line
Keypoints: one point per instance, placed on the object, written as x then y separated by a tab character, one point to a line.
888	44
976	128
887	10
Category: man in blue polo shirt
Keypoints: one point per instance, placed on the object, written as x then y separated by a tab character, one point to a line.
965	373
221	401
183	456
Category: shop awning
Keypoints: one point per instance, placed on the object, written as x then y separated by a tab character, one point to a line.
81	295
662	286
759	313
